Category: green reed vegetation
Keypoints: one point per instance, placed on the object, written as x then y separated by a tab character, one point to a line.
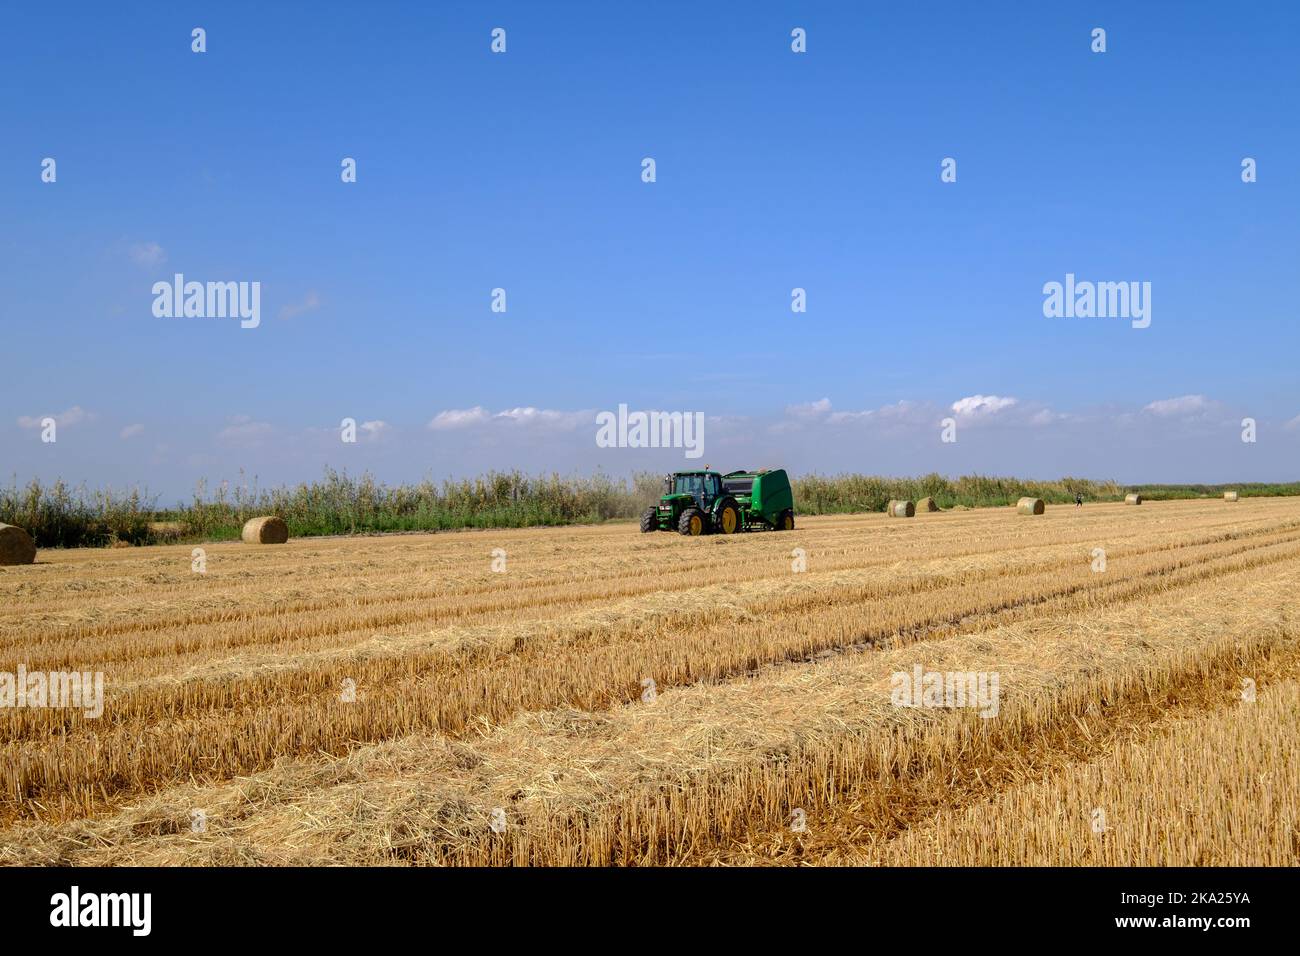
59	515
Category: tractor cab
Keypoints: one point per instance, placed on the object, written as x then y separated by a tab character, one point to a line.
703	487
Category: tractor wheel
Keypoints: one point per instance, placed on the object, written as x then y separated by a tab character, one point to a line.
728	520
785	522
649	521
693	522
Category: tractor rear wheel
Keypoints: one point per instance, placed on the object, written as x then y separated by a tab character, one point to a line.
728	518
692	522
649	521
785	521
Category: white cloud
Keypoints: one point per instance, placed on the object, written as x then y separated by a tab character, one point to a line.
73	416
981	405
375	430
1183	406
809	409
907	415
147	255
521	414
807	415
130	431
546	418
849	418
821	412
459	418
1292	424
311	303
524	416
904	410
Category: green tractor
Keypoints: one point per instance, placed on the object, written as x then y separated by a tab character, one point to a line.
704	502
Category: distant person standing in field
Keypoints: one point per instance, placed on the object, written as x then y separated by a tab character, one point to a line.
1078	501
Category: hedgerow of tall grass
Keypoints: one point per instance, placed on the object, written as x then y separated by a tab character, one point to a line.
340	504
1250	489
814	494
58	515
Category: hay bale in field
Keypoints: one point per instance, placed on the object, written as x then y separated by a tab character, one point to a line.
1132	499
1229	496
265	530
926	504
1030	506
902	509
16	545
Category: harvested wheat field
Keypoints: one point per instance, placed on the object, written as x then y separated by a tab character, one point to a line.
609	697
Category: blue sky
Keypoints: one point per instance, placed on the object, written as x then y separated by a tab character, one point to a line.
775	170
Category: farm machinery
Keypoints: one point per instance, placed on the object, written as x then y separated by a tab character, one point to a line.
708	502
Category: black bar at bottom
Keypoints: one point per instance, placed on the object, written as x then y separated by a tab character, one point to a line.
334	906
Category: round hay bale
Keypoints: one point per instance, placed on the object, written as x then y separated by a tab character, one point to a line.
16	545
265	530
1131	499
1229	496
1030	506
902	509
889	508
926	504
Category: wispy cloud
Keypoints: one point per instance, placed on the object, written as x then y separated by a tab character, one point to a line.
293	310
131	431
905	410
545	417
1182	407
242	430
147	255
907	414
523	416
72	416
822	412
810	410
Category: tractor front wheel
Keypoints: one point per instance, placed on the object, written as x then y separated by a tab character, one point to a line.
649	521
692	522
